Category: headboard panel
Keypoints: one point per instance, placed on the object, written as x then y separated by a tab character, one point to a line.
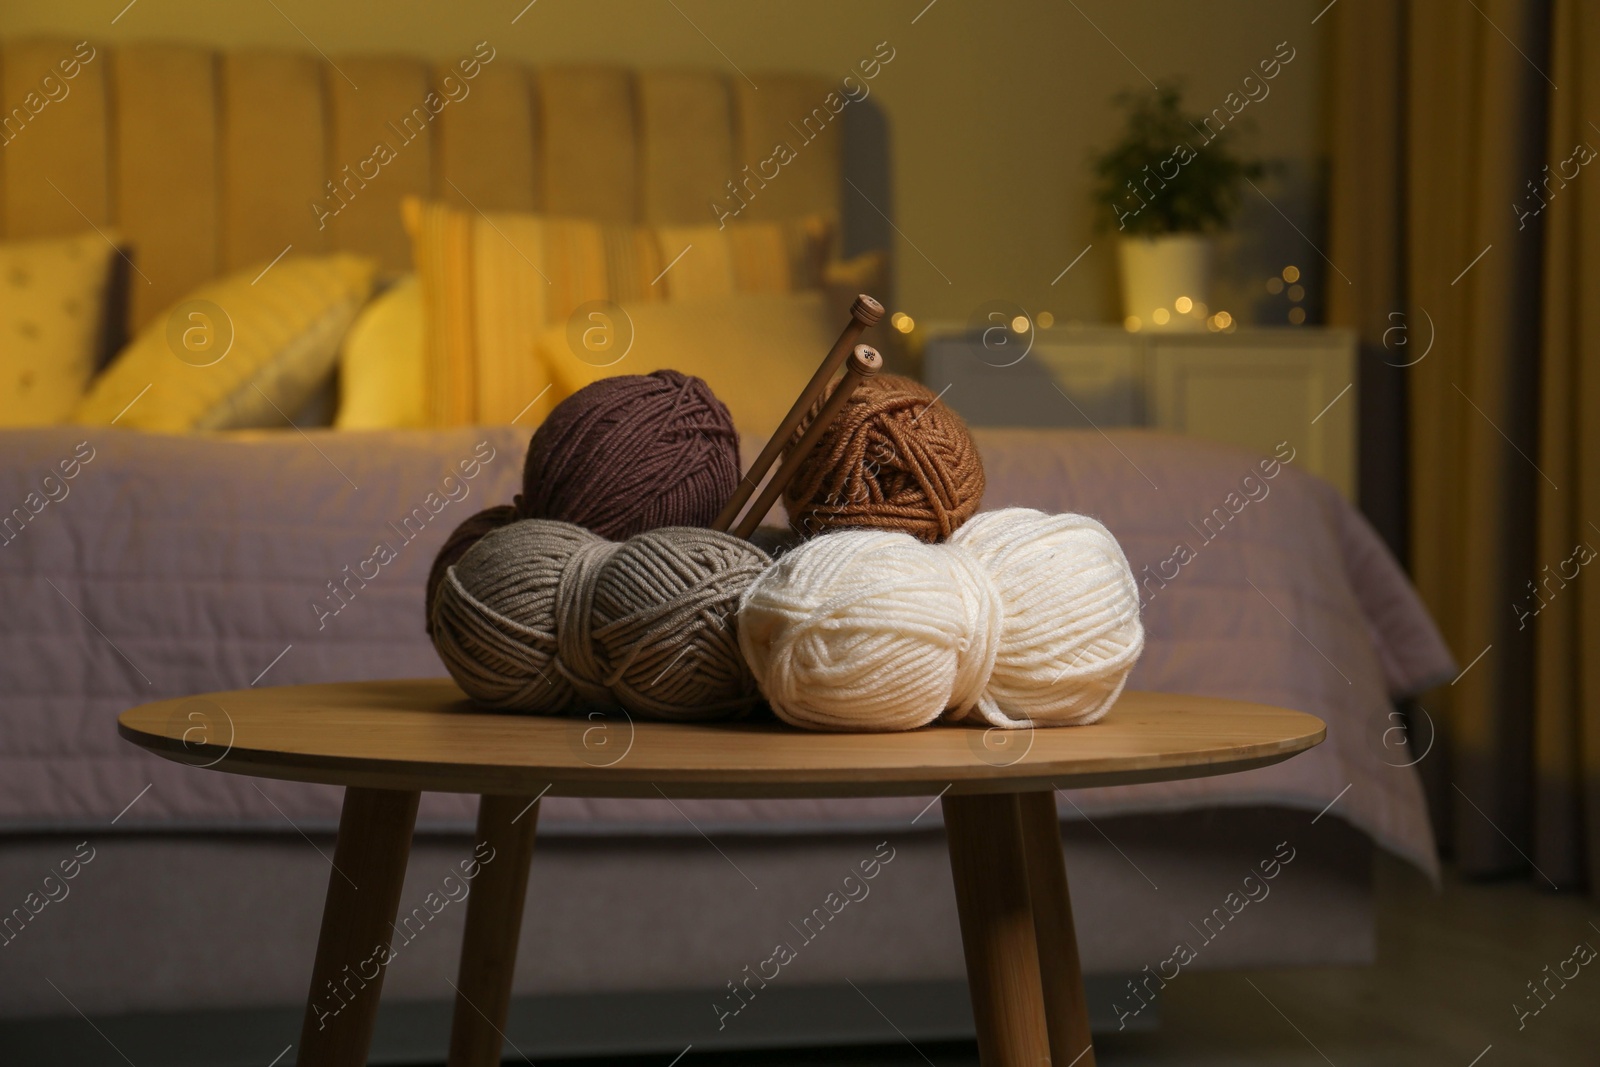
209	162
165	110
61	144
686	142
272	148
487	149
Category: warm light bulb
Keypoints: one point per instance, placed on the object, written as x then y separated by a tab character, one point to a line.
1045	320
1223	320
1160	316
1297	293
1297	315
1183	304
1019	324
902	322
1291	274
1132	323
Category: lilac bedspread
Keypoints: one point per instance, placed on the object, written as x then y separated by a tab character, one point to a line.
173	565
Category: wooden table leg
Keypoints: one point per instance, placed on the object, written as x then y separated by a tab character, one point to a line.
494	924
369	869
991	878
1066	1011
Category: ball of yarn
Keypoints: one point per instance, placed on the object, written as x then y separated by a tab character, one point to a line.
1020	619
470	532
632	453
619	456
542	616
895	460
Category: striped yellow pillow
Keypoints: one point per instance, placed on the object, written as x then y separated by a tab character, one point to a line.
493	283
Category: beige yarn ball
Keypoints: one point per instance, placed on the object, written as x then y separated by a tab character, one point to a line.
1021	619
544	617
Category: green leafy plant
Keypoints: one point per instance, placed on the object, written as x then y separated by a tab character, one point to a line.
1171	171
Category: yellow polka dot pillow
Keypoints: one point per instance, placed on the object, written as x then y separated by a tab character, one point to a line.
54	311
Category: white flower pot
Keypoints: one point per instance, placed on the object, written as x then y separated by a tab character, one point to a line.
1158	272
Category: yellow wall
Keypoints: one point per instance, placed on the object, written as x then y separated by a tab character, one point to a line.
993	107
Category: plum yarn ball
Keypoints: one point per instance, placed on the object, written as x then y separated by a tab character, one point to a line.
619	456
631	453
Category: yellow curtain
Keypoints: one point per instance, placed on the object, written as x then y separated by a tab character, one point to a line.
1566	841
1444	117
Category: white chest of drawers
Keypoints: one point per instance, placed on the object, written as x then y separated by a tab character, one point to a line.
1252	387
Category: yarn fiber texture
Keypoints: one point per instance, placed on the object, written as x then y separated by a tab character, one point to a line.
471	530
545	617
894	459
619	456
1021	619
632	453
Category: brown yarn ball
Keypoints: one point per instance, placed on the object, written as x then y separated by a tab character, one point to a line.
632	453
620	456
895	459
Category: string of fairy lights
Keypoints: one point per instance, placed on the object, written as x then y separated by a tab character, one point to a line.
1286	283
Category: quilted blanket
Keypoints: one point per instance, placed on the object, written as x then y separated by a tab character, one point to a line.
137	566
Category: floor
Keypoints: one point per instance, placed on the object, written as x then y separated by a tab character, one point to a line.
1453	971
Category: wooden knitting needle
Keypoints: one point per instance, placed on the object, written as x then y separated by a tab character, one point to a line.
864	312
864	362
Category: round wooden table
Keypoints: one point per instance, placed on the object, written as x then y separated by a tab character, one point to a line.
385	742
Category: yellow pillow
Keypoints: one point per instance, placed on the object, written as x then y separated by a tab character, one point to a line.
757	352
382	380
491	284
248	350
52	318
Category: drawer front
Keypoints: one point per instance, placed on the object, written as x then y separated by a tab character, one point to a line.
1256	396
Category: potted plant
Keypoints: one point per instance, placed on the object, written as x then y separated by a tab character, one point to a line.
1165	188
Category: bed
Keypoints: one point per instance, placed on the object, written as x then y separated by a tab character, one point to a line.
180	565
187	563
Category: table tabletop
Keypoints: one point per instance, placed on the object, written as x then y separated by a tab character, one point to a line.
425	735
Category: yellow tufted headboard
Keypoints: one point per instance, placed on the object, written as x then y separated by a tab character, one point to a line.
208	162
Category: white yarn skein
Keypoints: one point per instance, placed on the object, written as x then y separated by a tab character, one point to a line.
1071	631
1021	619
869	630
